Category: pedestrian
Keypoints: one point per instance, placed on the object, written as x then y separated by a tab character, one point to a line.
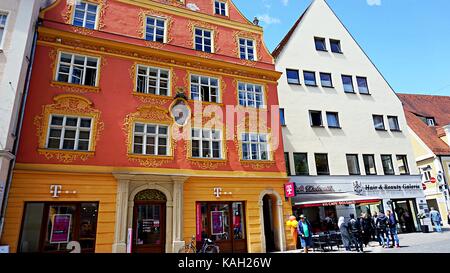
355	230
392	230
448	218
382	226
305	232
374	227
436	219
343	228
366	226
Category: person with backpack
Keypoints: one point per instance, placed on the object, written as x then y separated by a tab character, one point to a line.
392	230
381	224
355	231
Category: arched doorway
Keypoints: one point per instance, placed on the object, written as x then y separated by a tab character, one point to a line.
268	216
149	222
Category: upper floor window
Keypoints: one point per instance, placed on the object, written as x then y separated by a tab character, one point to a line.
388	167
378	122
369	164
288	164
402	162
347	81
247	49
155	29
292	76
206	143
301	164
282	118
310	78
353	164
77	69
320	44
205	88
251	95
85	15
3	19
322	164
203	40
315	118
333	120
220	8
255	146
325	80
152	80
69	133
393	123
363	87
150	139
431	122
335	46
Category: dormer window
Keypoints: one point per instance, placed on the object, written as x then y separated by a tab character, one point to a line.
431	122
220	8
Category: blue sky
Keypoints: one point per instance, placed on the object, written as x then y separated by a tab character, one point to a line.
408	40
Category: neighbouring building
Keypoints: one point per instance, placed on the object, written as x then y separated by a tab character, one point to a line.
18	20
345	134
149	123
428	120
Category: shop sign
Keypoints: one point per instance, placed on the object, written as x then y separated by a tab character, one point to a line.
60	228
56	191
315	189
338	203
359	188
217	223
289	190
218	192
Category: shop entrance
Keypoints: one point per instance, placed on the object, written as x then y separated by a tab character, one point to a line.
149	218
406	215
268	223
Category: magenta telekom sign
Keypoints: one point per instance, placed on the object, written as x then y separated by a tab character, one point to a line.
289	190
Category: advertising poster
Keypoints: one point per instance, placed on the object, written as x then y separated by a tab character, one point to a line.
60	228
217	223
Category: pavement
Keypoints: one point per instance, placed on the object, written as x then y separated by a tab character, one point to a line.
432	242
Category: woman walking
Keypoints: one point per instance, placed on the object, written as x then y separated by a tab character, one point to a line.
366	223
344	233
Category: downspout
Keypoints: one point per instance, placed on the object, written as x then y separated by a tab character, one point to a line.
12	163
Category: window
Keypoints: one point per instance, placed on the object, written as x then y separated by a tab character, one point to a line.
288	164
353	165
301	164
3	18
247	49
206	143
347	81
378	122
369	164
205	88
155	29
333	120
203	40
388	167
152	80
316	118
77	69
393	123
310	78
293	76
85	15
255	146
325	80
322	164
250	95
335	46
402	162
320	44
431	122
363	87
220	8
282	119
150	139
69	133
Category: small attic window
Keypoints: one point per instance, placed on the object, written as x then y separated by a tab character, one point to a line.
220	8
431	122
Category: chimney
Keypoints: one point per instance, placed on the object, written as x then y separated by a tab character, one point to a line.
256	21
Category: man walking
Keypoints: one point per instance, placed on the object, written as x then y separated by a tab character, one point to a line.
355	230
381	224
436	219
305	233
392	230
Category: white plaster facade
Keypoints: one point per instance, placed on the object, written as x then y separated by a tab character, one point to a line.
357	134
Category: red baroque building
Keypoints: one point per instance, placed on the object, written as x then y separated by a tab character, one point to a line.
149	123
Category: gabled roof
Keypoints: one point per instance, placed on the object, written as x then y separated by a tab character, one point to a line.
428	106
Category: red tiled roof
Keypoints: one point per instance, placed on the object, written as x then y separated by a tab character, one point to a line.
437	107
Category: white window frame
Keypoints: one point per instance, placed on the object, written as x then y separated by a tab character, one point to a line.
155	27
85	11
156	135
222	2
248	141
63	128
246	94
158	79
203	39
5	28
246	48
72	64
209	139
431	122
199	84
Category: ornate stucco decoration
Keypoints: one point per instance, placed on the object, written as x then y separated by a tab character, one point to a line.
204	25
73	105
150	195
143	14
177	3
257	42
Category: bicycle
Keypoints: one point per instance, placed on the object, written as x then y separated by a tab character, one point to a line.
208	247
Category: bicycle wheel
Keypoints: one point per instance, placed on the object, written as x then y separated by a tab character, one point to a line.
212	249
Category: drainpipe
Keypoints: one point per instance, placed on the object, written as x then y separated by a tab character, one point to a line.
12	163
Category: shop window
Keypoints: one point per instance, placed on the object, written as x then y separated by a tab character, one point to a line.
150	139
388	167
49	227
69	133
152	80
402	162
155	29
353	165
322	164
301	164
206	143
77	69
251	95
205	88
369	164
85	15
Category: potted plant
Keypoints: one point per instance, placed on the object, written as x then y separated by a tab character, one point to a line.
424	227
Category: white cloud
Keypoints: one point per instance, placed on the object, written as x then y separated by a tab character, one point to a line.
374	2
285	2
266	18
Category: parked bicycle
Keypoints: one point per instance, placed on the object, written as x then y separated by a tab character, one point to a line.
208	247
